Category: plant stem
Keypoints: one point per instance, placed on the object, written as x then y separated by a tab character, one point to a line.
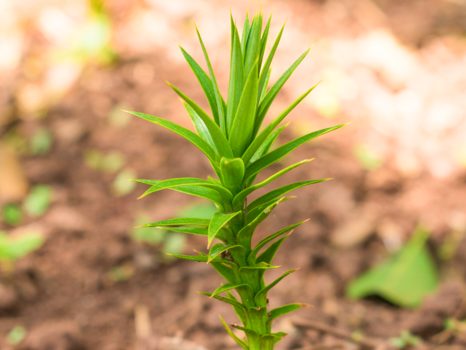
255	320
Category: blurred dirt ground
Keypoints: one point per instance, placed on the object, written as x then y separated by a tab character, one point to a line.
395	69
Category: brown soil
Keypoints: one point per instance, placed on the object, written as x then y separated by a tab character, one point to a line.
64	297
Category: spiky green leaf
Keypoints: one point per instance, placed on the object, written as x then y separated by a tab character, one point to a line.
218	221
285	309
275	89
221	143
277	154
262	136
197	141
205	83
240	197
243	123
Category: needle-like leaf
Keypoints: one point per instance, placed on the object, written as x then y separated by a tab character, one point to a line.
275	89
221	143
183	132
205	82
218	221
218	96
243	123
282	151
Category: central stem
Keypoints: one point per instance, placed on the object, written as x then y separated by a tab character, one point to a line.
255	321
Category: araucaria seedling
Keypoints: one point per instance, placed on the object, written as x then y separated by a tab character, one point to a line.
238	145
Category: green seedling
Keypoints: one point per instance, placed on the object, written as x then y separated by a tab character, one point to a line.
106	162
123	183
38	200
455	326
239	145
35	205
367	157
92	43
16	335
13	248
405	340
41	142
121	273
12	214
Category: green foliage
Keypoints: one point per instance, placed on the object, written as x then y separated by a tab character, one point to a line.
404	279
15	247
38	200
405	340
123	183
12	214
16	335
93	42
106	162
367	157
169	234
35	204
239	145
41	142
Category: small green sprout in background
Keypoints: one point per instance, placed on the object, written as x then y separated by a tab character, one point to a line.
41	142
121	273
455	326
239	145
405	340
38	200
117	117
404	279
124	183
12	214
368	157
36	204
107	162
15	247
16	335
92	43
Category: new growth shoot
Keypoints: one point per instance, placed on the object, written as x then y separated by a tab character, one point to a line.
238	142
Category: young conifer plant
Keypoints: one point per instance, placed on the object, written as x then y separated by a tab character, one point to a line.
239	146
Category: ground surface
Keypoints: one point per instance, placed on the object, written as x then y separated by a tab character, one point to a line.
65	295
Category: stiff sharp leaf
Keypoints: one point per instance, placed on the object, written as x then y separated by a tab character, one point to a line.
183	132
237	340
277	154
243	123
196	258
236	75
263	292
205	83
221	143
265	72
283	310
218	221
262	136
279	192
240	197
275	89
220	248
196	222
185	185
227	287
270	252
274	236
218	96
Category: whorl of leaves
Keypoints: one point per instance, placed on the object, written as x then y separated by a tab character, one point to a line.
238	143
